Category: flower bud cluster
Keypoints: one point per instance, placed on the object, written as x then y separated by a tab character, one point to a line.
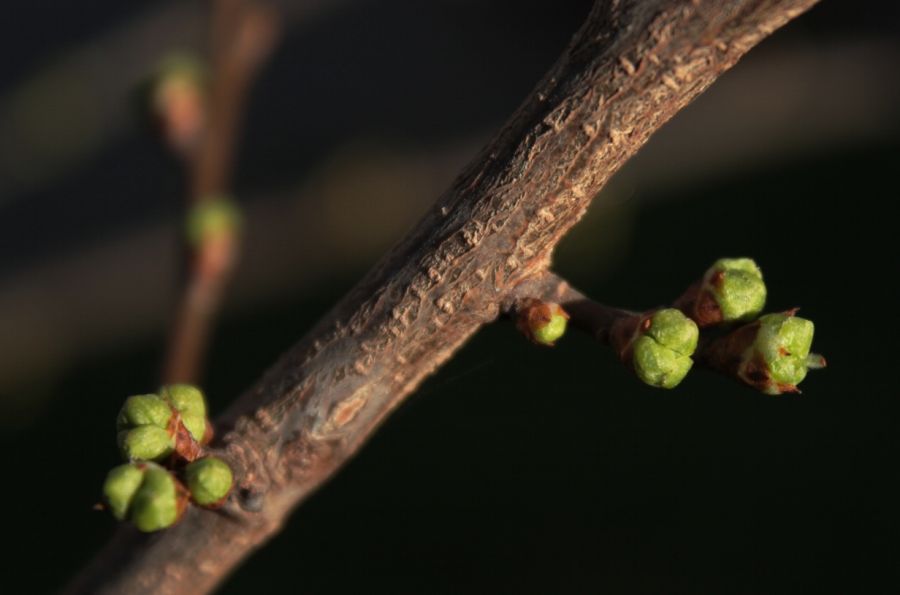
168	428
717	321
770	353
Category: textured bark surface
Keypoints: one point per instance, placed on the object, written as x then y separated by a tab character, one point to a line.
630	68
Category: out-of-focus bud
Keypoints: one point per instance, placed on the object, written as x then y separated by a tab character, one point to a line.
178	100
732	289
213	217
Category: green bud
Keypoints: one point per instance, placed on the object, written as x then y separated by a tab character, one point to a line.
551	327
185	398
144	410
196	425
157	504
672	329
542	322
146	443
189	402
550	332
120	486
209	480
784	341
212	217
731	289
146	494
738	288
661	354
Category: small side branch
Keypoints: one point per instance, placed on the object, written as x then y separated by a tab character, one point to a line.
714	323
590	316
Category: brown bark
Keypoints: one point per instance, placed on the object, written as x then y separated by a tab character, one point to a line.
630	68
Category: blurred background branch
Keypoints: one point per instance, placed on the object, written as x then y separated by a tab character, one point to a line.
96	79
243	34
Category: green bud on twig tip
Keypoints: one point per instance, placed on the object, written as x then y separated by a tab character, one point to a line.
771	354
782	347
146	494
209	480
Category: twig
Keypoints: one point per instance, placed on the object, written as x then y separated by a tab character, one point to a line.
592	317
736	348
243	34
633	65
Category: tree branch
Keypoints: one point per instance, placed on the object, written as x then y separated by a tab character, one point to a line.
630	68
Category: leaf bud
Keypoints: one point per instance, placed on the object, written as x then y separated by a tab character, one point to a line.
732	289
771	354
209	480
542	322
657	345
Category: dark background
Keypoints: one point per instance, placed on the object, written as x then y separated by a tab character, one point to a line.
514	469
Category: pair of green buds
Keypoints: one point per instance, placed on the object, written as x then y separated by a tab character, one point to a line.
153	498
771	354
172	427
661	344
